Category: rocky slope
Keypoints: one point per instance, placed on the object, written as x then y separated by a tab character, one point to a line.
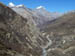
62	34
19	35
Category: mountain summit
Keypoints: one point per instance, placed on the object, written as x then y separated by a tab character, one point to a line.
40	14
40	7
11	4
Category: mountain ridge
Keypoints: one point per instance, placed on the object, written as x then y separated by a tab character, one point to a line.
40	15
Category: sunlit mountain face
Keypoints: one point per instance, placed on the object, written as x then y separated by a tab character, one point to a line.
40	15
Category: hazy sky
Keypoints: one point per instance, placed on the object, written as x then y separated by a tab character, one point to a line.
50	5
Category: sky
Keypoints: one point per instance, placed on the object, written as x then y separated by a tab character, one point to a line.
50	5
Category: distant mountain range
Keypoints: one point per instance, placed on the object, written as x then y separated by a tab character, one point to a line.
40	15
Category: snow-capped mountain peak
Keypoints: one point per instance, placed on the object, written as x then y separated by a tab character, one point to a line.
11	4
20	5
40	7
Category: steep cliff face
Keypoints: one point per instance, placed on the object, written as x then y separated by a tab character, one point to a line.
18	34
